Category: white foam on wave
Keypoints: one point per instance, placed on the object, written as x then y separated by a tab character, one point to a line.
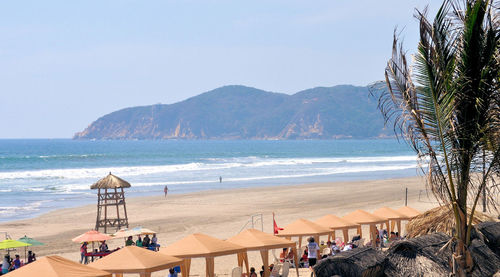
7	211
216	164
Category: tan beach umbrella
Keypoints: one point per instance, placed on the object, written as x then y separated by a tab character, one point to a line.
133	259
365	218
126	232
408	212
203	246
337	223
55	266
257	240
392	215
303	227
110	182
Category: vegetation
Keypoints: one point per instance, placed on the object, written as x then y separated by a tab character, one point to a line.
447	106
238	112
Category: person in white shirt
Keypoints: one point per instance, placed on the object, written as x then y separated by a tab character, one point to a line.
313	252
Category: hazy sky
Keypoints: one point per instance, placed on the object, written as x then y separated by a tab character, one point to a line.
65	63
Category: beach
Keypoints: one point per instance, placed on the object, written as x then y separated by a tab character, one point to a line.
223	213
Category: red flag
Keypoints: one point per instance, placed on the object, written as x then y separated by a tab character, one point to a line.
276	228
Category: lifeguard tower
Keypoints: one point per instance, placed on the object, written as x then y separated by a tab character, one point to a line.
111	209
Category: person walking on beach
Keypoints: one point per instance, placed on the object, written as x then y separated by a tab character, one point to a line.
220	179
165	190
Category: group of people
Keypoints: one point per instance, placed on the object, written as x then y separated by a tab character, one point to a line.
383	238
101	252
10	264
147	242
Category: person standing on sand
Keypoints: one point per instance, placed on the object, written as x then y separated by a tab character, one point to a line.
313	253
220	179
83	251
165	190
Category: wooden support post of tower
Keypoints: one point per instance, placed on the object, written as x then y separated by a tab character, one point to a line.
110	193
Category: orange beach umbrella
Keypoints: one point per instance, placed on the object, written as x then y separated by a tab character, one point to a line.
91	236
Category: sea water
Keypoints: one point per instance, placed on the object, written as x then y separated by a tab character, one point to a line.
39	175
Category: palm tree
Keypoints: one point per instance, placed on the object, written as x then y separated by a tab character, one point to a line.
446	105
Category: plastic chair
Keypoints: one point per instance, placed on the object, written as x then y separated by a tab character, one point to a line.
276	271
236	272
285	269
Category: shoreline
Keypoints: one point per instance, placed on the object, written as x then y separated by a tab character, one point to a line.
221	213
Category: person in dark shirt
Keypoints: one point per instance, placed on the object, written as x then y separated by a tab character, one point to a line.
146	241
31	256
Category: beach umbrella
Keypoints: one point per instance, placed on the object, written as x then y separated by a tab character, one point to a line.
365	218
255	240
409	212
144	231
304	228
123	233
393	216
31	241
9	243
56	266
337	223
91	236
203	246
133	259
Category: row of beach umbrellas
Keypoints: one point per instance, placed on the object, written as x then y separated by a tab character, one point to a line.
328	224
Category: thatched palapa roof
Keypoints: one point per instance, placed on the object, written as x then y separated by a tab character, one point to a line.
424	256
356	262
110	182
438	220
418	257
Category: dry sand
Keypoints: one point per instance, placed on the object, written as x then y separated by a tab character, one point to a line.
223	213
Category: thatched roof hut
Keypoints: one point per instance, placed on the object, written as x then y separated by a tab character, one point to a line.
438	220
418	257
110	182
356	262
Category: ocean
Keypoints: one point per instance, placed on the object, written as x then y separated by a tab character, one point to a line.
39	175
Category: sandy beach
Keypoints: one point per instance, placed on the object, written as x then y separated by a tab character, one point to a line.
223	213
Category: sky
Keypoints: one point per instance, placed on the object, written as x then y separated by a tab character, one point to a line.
63	64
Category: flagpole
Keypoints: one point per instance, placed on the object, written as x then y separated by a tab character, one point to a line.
274	231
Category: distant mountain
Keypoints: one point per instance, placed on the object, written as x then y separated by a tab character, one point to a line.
239	112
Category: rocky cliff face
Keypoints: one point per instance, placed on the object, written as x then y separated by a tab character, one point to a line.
238	112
